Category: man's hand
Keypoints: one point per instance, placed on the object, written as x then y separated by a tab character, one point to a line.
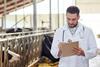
59	46
59	53
78	51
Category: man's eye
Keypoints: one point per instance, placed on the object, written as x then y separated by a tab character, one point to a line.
73	19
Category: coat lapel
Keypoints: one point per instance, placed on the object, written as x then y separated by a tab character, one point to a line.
78	34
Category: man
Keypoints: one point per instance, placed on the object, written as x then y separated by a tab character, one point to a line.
74	31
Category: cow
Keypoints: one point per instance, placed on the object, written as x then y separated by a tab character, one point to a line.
46	47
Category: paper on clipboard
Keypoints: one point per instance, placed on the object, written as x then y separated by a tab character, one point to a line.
67	50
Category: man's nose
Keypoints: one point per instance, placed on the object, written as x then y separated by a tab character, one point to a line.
71	22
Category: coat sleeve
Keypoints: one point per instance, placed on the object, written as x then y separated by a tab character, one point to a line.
92	47
54	47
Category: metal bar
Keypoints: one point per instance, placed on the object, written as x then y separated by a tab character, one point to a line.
4	19
24	18
34	15
18	22
1	54
2	23
58	14
50	14
15	14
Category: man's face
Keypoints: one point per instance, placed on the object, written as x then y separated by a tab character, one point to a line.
72	19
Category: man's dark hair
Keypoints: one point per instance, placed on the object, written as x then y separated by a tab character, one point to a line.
73	10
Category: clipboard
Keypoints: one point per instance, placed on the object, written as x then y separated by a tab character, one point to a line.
67	50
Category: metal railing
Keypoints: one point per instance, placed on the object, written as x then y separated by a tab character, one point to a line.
27	46
4	35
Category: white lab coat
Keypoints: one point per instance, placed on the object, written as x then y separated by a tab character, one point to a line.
86	41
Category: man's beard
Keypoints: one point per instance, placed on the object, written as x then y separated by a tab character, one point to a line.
72	26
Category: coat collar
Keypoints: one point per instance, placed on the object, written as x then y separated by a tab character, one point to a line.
79	29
